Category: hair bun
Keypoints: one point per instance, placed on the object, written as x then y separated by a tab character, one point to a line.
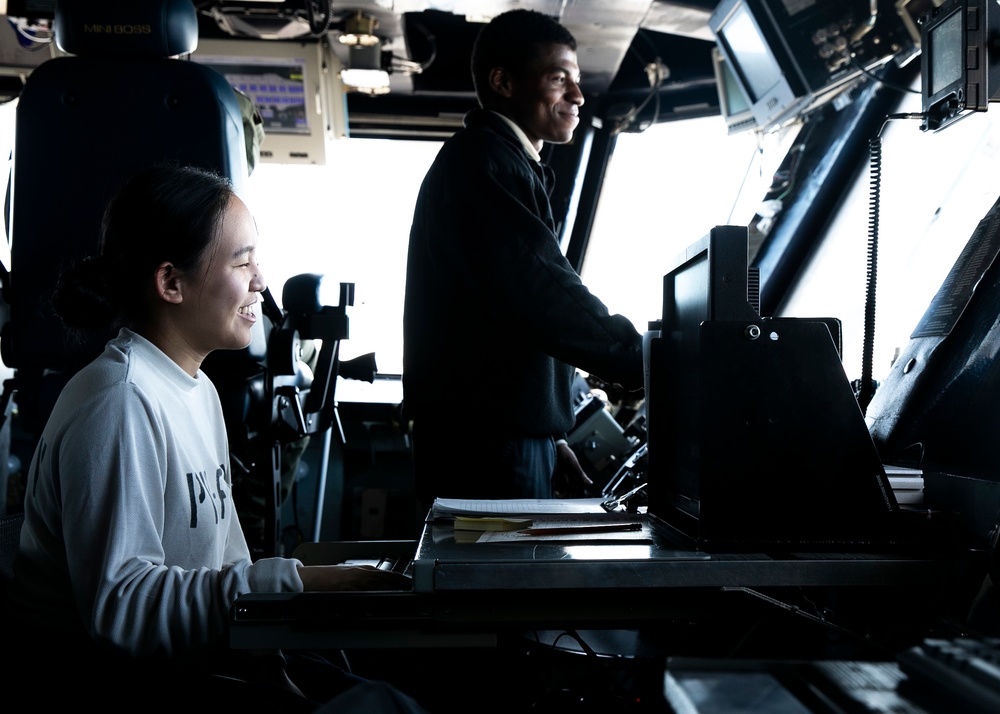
85	294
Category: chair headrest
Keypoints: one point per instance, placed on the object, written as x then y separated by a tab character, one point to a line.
126	28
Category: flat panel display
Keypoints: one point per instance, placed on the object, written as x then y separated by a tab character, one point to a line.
295	87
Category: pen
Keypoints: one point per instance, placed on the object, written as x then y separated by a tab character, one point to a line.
567	530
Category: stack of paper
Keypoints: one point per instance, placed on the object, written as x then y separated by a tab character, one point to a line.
486	523
451	507
543	520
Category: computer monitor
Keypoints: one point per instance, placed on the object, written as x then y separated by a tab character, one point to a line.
733	103
790	57
772	90
295	86
711	281
958	71
756	439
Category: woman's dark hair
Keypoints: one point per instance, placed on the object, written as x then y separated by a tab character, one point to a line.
163	214
511	40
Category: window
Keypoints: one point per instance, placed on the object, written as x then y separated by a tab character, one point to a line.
664	189
349	221
935	188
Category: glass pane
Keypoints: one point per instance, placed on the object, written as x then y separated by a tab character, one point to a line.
935	188
665	188
349	221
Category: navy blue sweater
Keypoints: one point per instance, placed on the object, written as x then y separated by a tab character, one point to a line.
495	317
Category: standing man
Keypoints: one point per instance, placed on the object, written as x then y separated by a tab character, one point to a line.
495	318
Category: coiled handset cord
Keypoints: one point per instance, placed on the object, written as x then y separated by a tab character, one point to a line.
864	388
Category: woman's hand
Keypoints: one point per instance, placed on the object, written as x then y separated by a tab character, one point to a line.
351	577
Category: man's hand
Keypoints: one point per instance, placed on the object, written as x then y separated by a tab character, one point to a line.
569	480
351	577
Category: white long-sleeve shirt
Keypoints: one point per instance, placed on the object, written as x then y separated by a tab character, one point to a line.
130	529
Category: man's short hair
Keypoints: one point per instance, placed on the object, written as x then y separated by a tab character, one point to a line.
511	40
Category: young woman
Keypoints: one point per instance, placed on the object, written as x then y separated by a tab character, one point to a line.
131	551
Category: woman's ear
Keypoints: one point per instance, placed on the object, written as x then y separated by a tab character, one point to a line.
168	283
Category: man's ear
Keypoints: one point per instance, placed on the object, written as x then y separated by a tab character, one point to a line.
500	82
168	283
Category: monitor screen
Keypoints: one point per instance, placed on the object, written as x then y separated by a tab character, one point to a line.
944	46
275	85
792	57
766	73
958	71
757	67
733	103
302	106
686	305
709	281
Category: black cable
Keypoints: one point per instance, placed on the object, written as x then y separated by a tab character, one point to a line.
654	91
864	388
431	40
575	636
655	86
319	19
877	78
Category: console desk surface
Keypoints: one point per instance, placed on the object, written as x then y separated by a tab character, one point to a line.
465	593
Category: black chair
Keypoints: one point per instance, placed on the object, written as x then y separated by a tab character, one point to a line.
120	100
85	122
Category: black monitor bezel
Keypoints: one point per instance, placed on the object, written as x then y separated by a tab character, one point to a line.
787	91
709	281
955	90
970	91
737	118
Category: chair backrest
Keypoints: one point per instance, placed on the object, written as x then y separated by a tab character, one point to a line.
119	101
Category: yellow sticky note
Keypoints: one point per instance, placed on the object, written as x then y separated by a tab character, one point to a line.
469	523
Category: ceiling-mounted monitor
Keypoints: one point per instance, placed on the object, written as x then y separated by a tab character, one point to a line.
733	103
790	56
295	86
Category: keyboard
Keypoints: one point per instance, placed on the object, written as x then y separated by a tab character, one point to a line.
953	675
403	565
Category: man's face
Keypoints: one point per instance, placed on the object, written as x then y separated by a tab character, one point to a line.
545	98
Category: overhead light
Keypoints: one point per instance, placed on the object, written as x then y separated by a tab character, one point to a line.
368	81
352	39
363	71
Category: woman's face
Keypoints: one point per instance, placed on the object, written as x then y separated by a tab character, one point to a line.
220	301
